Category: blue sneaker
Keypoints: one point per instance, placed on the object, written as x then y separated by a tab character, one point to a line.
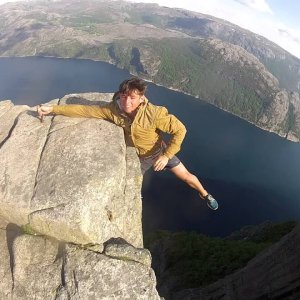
211	202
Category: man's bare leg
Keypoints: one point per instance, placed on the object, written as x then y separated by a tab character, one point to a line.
182	173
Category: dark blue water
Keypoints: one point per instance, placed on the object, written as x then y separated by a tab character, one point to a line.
252	173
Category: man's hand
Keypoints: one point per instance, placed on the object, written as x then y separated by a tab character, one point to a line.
43	110
160	163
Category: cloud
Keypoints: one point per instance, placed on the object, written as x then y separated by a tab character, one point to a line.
6	1
289	35
260	5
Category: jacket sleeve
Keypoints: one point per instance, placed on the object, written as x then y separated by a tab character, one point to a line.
85	111
170	124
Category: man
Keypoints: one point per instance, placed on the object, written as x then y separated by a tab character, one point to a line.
143	125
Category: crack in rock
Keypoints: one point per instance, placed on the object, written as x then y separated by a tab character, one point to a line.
10	131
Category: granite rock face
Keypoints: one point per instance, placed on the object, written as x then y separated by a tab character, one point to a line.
8	115
5	265
70	178
282	115
36	267
294	131
276	114
70	208
273	274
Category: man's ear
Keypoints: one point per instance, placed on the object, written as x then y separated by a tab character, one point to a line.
142	99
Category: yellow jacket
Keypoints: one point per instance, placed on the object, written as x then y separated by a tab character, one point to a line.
144	132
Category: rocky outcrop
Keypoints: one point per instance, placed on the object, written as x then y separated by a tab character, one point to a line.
272	108
273	274
294	131
36	267
282	116
71	178
276	114
76	188
8	115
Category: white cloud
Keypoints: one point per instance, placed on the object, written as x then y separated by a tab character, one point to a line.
6	1
289	39
287	33
255	20
260	5
269	27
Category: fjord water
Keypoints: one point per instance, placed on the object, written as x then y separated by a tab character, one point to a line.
253	174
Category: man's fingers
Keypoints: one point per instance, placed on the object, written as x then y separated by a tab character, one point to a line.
156	166
40	113
159	165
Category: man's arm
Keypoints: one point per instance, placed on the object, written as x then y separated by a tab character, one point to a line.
72	110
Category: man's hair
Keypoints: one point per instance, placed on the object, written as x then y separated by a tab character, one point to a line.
133	84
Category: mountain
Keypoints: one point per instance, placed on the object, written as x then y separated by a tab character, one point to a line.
209	58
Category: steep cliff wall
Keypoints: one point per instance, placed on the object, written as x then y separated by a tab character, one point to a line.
273	274
38	267
70	178
74	185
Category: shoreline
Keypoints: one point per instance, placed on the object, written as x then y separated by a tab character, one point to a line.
196	97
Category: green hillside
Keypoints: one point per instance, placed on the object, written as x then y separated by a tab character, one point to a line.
195	260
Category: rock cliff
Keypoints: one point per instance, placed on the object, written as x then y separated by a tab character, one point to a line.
273	274
75	187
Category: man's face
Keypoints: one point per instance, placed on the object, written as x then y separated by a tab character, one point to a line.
130	101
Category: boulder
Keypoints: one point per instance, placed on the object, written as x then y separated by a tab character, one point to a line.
90	275
120	249
71	178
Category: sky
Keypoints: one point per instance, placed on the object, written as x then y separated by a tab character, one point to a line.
277	20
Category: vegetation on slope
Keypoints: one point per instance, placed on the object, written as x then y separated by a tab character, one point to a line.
195	67
197	260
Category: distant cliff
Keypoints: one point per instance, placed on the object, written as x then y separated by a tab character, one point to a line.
70	208
256	262
273	274
209	58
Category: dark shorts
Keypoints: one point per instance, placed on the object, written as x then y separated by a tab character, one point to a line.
148	162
